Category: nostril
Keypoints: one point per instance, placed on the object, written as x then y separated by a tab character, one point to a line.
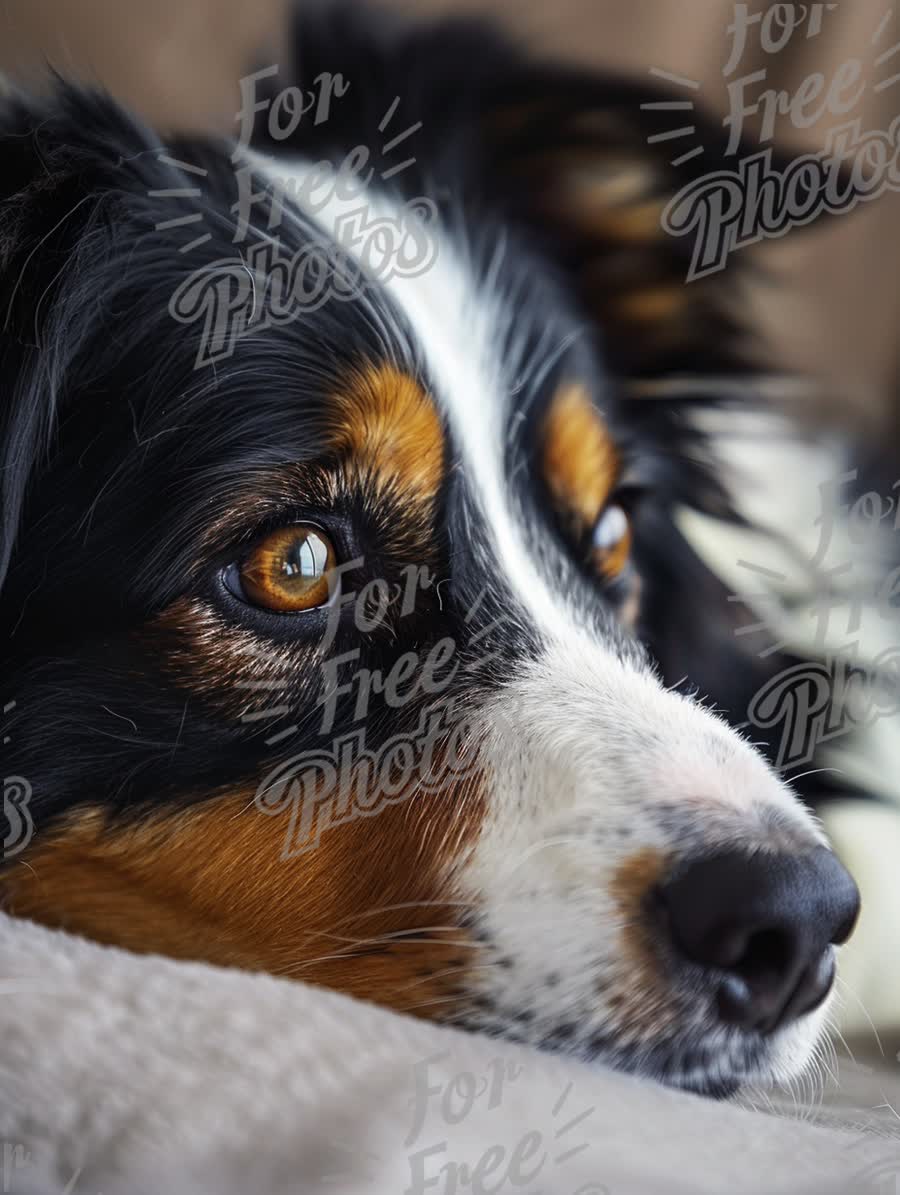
768	984
767	952
745	950
753	991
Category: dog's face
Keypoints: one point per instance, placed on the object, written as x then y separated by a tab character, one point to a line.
327	656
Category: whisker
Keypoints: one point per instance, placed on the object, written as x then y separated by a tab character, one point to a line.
459	970
850	992
432	1003
815	772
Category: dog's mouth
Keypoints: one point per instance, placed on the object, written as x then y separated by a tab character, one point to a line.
717	982
711	1062
713	1070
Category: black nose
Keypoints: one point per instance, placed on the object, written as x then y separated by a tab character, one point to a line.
765	925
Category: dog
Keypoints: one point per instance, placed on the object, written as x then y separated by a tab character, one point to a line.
350	631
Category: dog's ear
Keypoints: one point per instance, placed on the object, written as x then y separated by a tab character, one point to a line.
34	242
652	209
42	213
61	169
612	175
592	167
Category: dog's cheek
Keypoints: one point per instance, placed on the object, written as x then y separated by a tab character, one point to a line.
367	909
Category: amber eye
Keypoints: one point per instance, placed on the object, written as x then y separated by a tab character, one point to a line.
612	541
288	570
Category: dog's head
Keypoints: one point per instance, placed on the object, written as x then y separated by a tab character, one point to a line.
335	529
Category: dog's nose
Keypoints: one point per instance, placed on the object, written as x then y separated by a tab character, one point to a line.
765	924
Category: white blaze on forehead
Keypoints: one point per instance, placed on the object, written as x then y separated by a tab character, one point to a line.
458	324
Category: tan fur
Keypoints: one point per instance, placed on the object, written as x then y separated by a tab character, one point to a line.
211	883
391	431
579	459
645	1007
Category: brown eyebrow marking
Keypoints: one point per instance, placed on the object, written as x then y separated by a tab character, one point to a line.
390	427
579	460
384	434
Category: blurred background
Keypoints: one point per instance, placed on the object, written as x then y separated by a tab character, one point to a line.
832	305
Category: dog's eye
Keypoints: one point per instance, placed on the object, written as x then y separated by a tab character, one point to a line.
612	541
288	571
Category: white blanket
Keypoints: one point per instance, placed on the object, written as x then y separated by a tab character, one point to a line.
127	1075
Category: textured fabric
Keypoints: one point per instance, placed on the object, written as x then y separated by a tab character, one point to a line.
140	1075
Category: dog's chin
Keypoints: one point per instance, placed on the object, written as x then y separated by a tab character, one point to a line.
726	1071
733	1064
717	1078
717	1064
724	1065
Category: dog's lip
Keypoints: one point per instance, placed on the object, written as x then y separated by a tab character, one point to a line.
695	1082
718	1088
603	1048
